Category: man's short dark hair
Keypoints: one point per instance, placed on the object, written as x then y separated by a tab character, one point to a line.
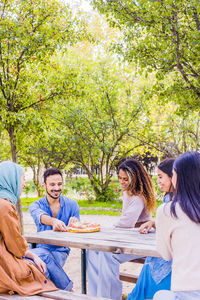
51	171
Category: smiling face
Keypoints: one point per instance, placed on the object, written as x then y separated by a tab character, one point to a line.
53	186
123	180
164	181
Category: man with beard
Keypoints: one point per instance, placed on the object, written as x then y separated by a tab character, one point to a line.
54	211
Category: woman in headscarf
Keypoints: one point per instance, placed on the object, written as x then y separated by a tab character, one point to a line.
21	271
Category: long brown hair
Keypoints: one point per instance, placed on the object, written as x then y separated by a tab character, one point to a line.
140	183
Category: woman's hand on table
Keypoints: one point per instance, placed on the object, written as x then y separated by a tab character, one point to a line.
146	227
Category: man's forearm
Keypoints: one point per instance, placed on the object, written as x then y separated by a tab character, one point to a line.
57	225
47	220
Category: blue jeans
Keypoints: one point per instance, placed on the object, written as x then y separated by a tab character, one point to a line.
103	273
55	260
170	295
146	286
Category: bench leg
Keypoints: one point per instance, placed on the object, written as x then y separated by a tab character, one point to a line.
32	245
83	271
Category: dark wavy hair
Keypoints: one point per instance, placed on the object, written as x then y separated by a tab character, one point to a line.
51	171
187	190
140	183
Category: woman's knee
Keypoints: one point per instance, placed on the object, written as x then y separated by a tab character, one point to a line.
44	254
164	295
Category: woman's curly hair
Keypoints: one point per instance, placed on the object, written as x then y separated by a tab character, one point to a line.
140	183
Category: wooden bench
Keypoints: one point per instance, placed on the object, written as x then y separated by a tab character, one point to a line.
58	295
130	277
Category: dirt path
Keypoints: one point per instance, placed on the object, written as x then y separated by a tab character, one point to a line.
73	264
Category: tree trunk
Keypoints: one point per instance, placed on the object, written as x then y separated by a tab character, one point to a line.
36	180
19	211
11	132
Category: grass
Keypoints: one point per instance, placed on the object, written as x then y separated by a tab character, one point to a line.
99	212
26	201
111	209
85	203
105	208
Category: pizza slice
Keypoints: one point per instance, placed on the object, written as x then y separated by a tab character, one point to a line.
83	227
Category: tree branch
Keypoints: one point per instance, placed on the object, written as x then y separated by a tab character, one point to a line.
3	10
51	96
196	17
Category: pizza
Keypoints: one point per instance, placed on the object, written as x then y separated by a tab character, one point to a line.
83	227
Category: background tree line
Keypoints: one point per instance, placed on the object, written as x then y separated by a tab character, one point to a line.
83	88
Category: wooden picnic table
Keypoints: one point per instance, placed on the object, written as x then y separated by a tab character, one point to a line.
116	240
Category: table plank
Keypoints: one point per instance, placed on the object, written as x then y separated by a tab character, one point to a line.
18	297
60	295
124	235
127	241
56	295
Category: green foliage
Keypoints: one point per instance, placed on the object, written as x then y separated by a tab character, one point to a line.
66	98
81	183
112	205
5	152
26	201
158	193
83	187
162	36
30	33
173	131
30	187
91	128
109	195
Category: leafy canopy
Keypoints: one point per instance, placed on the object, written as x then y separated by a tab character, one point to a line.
161	35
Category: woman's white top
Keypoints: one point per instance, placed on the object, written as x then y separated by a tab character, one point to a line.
179	239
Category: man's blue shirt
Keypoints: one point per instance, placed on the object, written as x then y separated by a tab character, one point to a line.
68	208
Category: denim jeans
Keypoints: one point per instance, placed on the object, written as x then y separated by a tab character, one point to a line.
170	295
55	261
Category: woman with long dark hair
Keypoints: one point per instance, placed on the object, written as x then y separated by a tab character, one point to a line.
178	230
138	202
156	272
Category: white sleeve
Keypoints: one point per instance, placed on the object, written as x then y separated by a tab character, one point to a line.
163	232
130	216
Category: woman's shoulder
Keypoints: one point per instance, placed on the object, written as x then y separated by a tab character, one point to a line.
5	206
164	209
132	198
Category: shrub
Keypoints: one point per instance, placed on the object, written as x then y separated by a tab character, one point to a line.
83	186
111	194
158	193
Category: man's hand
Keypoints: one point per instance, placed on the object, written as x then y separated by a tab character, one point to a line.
59	225
72	220
146	227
